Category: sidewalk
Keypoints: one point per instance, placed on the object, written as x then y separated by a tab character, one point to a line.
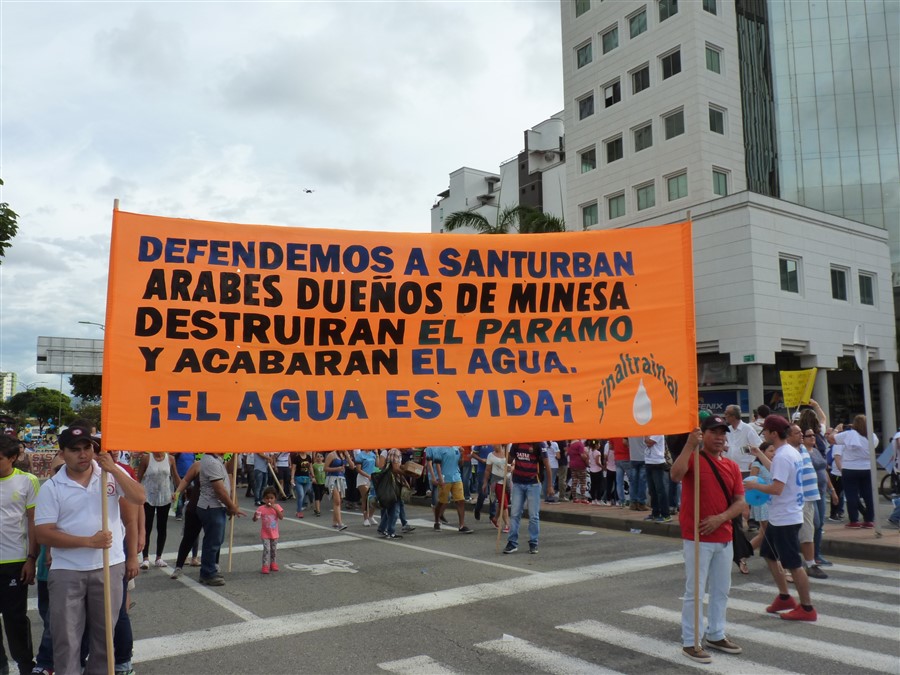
837	541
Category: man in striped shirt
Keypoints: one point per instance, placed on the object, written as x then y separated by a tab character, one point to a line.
526	459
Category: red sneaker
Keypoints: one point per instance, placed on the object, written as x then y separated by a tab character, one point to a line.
855	526
264	570
781	605
274	567
868	525
800	614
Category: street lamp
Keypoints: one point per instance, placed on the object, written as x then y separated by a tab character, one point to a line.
93	323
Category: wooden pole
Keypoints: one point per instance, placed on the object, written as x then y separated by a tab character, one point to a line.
234	466
502	499
277	482
107	592
697	547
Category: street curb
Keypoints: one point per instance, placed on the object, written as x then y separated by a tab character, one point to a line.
855	550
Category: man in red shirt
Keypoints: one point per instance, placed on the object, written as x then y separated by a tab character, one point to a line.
721	499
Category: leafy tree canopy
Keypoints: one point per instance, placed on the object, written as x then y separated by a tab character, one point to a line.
8	226
87	387
42	403
521	219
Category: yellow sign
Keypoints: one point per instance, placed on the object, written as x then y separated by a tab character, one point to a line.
797	386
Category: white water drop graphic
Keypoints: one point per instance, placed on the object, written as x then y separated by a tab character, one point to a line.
642	409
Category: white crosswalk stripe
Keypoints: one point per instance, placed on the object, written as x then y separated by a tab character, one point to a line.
416	665
853	585
865	571
302	543
663	650
543	659
849	656
861	603
835	622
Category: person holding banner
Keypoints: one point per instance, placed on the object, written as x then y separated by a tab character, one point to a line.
214	506
526	487
721	499
68	519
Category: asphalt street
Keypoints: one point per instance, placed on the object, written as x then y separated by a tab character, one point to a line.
592	601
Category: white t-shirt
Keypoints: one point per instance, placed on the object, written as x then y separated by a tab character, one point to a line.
78	510
655	450
551	452
855	450
18	493
497	465
787	508
737	440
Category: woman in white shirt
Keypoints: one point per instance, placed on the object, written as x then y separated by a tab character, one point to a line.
851	455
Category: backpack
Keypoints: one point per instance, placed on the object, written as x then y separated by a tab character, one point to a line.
386	488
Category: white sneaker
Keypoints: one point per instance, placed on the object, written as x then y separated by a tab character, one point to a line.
145	564
366	522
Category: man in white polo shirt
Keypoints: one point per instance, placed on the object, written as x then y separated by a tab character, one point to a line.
740	437
68	519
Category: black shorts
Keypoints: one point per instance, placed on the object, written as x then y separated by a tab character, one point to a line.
782	542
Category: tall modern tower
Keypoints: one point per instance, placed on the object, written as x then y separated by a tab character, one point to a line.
775	123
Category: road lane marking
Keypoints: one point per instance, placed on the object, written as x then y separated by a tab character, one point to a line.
849	656
372	535
546	660
214	597
835	622
825	597
894	575
301	543
666	651
416	665
257	630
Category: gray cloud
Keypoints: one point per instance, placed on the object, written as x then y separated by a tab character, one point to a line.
145	48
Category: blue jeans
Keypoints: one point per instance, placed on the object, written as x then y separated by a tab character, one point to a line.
401	511
213	522
621	469
519	493
895	514
389	518
659	496
637	482
858	485
715	575
302	486
260	480
819	523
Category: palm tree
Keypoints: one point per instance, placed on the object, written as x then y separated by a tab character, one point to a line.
522	219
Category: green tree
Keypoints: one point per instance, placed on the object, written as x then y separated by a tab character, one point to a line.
41	403
88	411
8	226
87	387
522	219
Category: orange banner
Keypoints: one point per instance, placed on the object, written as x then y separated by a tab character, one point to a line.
252	338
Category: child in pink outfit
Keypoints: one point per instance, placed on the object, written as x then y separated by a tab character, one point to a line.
269	513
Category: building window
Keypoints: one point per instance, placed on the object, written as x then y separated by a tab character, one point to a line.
671	64
614	150
710	6
581	6
586	106
674	123
838	283
640	80
584	55
610	39
677	186
720	182
612	94
643	137
789	271
616	206
866	289
589	215
714	59
637	23
646	196
716	120
588	160
667	8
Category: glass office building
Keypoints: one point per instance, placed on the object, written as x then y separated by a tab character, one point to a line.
835	83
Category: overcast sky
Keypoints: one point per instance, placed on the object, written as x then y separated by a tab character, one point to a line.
228	110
